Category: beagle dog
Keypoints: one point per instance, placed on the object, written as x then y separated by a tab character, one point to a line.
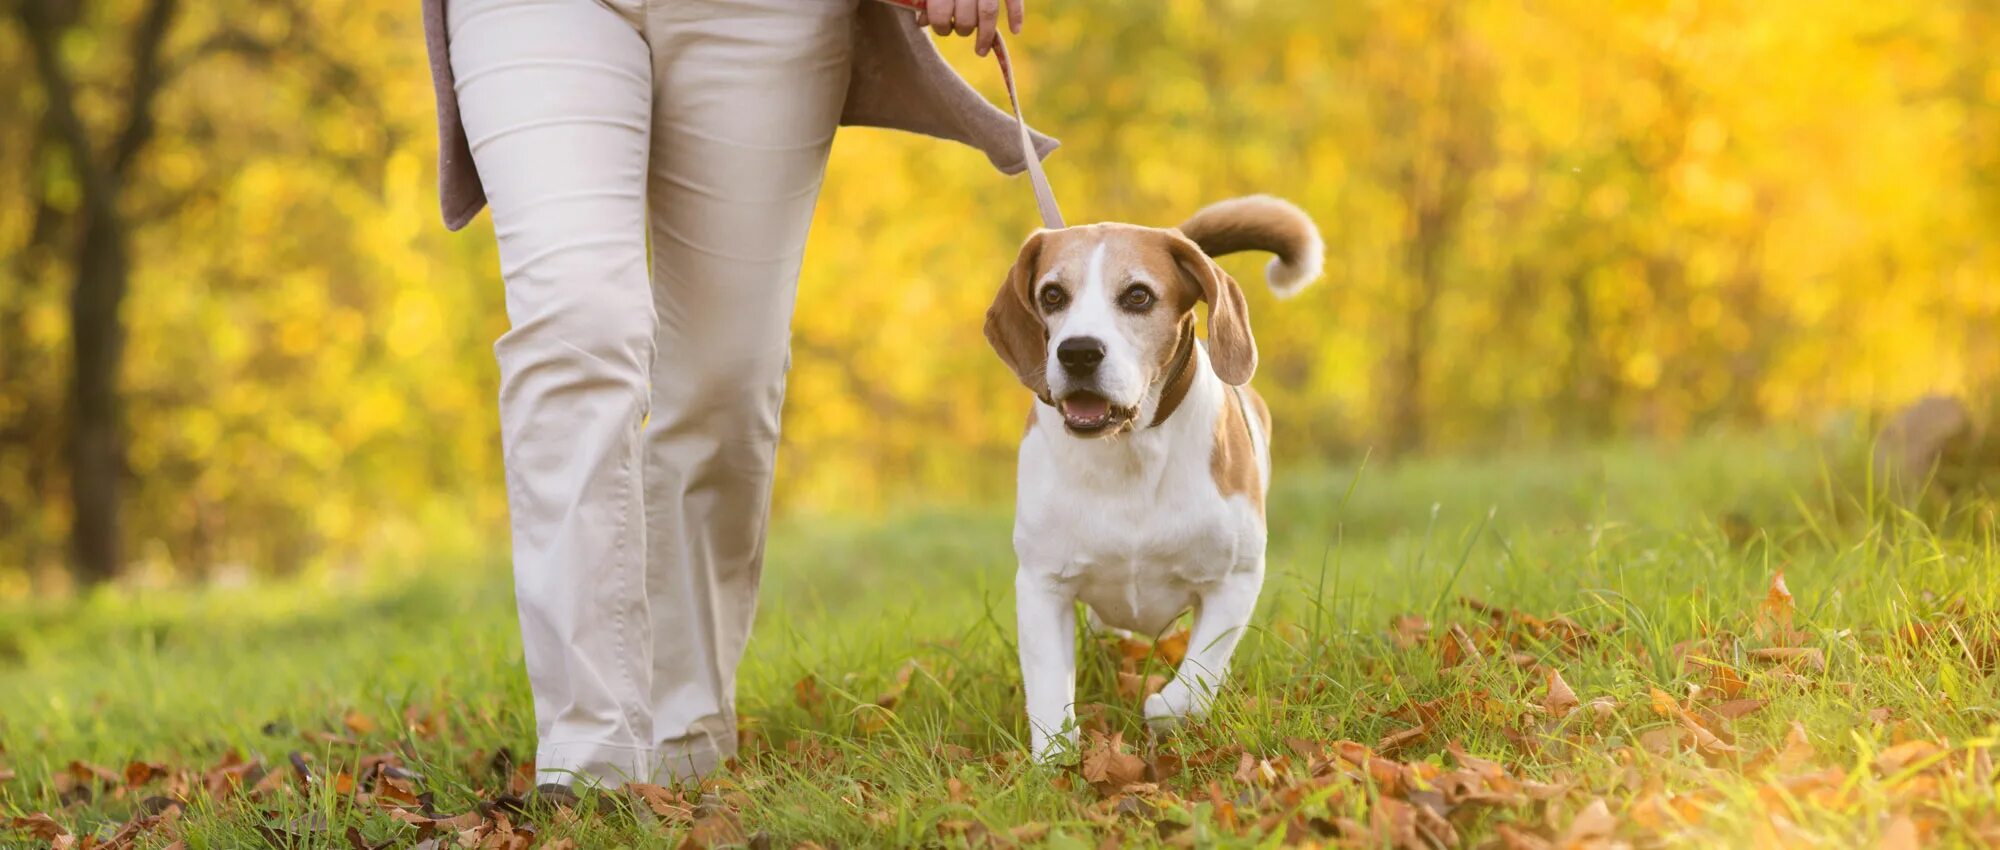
1147	457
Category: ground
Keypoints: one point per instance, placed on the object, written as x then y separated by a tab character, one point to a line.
1722	642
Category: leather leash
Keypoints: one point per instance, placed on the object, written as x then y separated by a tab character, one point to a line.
1045	197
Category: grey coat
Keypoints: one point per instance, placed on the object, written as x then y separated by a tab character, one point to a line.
898	81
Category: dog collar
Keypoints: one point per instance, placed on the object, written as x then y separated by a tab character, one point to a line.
1179	378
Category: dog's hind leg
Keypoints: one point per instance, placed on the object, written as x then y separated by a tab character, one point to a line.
1224	614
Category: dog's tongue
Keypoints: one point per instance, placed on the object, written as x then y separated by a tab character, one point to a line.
1085	408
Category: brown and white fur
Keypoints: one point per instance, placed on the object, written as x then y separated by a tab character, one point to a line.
1147	458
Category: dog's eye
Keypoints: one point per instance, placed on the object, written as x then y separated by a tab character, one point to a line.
1136	298
1053	297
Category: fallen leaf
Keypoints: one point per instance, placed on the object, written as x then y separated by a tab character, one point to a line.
1560	699
139	772
86	772
715	830
1407	631
1397	740
1792	657
1907	754
1593	824
1736	708
1798	749
1458	647
1107	765
1027	833
1777	606
40	826
897	687
806	692
1514	838
358	723
1901	834
1173	648
1137	688
1724	679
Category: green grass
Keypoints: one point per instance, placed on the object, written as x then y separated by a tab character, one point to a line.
1645	547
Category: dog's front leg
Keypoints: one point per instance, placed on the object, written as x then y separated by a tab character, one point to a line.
1224	613
1046	614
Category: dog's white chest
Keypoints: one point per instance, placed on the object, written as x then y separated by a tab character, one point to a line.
1138	538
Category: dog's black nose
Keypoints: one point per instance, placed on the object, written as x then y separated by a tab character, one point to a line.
1080	355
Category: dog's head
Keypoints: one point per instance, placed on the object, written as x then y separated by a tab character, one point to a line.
1093	319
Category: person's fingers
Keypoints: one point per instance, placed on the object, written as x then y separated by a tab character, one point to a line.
939	12
1015	14
965	17
989	25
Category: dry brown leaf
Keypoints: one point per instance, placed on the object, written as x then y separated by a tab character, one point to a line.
1908	754
1027	833
1137	688
1458	647
139	772
1106	764
1724	679
85	772
1173	648
358	723
665	802
1664	703
1798	749
1560	699
1515	838
1792	657
1593	824
1602	709
39	825
806	693
714	830
1664	740
1486	768
1407	631
1902	834
1397	740
901	684
1778	599
1736	708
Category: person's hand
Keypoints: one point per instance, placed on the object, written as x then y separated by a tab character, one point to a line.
966	17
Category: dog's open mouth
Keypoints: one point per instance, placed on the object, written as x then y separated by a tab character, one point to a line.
1089	414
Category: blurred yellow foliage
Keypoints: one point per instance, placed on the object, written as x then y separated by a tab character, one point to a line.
1566	218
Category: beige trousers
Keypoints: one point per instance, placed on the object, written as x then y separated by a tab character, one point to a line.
639	400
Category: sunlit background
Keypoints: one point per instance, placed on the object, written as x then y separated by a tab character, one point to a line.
233	330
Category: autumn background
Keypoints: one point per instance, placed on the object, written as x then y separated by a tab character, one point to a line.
1666	267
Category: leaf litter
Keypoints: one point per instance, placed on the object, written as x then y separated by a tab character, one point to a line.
1421	785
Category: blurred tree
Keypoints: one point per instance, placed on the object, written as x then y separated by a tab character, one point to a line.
100	161
89	194
1561	220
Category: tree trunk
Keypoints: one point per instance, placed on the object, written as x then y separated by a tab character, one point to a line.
101	266
1407	422
97	457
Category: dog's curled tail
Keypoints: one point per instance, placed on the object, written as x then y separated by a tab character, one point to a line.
1262	223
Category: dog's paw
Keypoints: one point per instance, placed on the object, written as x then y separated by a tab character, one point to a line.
1054	749
1174	703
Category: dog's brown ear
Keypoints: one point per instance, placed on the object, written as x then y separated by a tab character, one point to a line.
1014	327
1231	348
